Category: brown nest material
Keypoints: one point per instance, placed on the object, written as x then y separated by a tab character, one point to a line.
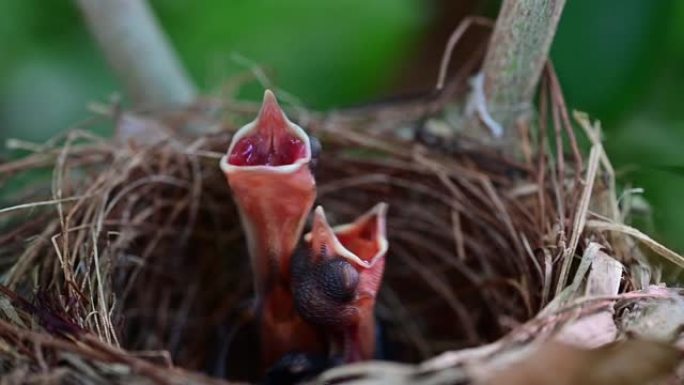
132	268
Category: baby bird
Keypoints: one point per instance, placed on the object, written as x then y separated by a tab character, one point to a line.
269	170
335	280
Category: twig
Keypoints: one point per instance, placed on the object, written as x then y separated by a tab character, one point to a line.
453	39
580	218
515	58
138	51
50	202
661	250
559	103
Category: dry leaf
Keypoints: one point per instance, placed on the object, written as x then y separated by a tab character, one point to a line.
630	362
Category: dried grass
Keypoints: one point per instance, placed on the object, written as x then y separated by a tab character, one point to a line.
130	266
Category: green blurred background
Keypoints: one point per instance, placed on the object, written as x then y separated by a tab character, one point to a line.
621	61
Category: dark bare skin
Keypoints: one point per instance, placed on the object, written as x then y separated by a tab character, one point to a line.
335	280
325	291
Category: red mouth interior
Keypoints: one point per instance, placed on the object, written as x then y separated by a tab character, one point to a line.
271	144
362	240
260	150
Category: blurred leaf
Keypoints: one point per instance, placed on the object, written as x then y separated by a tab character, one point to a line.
327	53
622	64
13	35
607	53
677	26
663	189
48	92
49	70
647	142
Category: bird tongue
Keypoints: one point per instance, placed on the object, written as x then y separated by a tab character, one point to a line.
270	142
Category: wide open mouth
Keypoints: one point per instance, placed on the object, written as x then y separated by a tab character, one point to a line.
365	237
362	242
271	140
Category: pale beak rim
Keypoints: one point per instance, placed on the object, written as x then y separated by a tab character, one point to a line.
245	130
380	210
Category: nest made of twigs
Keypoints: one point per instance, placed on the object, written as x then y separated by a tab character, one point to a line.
132	265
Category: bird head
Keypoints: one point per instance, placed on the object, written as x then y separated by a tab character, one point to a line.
268	170
336	278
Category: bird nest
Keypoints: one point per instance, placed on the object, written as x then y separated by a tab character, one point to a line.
129	265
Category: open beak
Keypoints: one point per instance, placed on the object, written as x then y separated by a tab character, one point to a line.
267	167
268	170
336	283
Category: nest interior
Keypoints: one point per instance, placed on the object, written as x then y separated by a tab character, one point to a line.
140	247
171	271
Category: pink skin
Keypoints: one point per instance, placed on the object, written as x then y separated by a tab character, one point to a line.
270	143
267	167
336	282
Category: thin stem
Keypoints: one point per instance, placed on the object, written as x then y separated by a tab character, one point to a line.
515	58
138	52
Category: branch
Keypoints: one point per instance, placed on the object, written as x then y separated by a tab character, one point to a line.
515	59
138	52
